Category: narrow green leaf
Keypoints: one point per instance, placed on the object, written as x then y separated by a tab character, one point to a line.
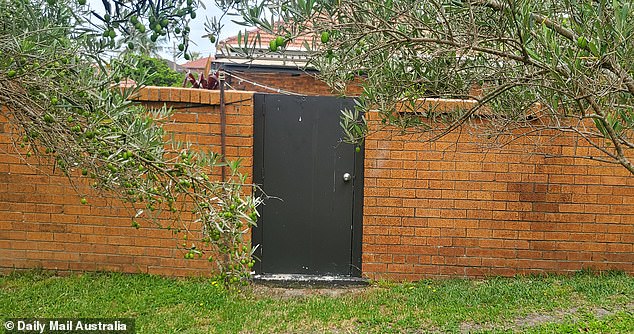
531	53
593	48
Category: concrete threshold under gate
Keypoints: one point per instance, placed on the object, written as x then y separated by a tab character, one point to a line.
314	281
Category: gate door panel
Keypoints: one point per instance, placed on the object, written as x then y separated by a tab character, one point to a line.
306	225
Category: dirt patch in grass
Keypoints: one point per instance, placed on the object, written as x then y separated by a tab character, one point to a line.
289	293
537	319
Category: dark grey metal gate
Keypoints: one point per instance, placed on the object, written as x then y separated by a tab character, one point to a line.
314	227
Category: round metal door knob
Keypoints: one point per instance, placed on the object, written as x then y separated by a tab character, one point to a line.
347	177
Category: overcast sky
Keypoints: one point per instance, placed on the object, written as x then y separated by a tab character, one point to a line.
199	44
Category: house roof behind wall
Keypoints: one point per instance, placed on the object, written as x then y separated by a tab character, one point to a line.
197	65
265	37
294	54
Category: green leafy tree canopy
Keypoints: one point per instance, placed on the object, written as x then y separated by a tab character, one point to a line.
154	71
543	66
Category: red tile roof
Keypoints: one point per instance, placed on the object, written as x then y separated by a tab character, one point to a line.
198	64
266	37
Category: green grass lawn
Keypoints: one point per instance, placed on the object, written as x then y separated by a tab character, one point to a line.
586	302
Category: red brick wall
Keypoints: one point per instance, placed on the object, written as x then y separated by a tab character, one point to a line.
304	83
452	208
43	224
446	208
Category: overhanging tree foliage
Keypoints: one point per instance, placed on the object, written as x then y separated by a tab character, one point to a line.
541	65
58	92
